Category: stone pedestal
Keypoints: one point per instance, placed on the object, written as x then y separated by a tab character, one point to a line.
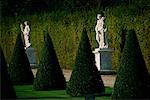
31	54
90	97
103	59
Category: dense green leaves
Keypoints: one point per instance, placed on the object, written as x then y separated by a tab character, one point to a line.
66	28
7	89
49	75
31	6
19	67
84	78
132	80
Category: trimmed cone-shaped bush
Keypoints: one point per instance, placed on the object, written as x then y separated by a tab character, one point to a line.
19	68
84	78
49	75
132	80
7	89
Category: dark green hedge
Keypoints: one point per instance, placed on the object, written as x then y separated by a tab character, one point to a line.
19	67
133	81
49	74
84	78
7	89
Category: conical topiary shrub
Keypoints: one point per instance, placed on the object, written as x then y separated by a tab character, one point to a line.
132	80
7	89
19	68
84	78
49	75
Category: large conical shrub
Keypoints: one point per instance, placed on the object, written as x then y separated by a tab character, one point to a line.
84	78
49	75
7	89
19	67
132	80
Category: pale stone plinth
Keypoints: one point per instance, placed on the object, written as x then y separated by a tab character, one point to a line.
103	59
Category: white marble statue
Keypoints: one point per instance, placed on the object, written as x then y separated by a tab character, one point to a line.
101	32
26	32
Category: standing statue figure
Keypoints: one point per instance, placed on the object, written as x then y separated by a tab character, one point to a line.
26	33
101	32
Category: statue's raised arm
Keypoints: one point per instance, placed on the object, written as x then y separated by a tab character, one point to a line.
21	27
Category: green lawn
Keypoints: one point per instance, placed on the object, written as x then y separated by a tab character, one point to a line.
27	92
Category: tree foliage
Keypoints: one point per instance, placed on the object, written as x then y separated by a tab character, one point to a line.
7	89
132	80
16	7
84	78
19	67
49	75
66	30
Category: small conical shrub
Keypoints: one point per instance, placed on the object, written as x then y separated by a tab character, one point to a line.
7	89
84	78
49	75
132	80
19	68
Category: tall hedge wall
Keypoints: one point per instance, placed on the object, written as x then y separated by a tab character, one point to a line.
66	28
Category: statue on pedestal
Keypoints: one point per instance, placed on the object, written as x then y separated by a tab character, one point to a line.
26	31
101	32
103	54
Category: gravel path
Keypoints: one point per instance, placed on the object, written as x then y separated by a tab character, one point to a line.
107	79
